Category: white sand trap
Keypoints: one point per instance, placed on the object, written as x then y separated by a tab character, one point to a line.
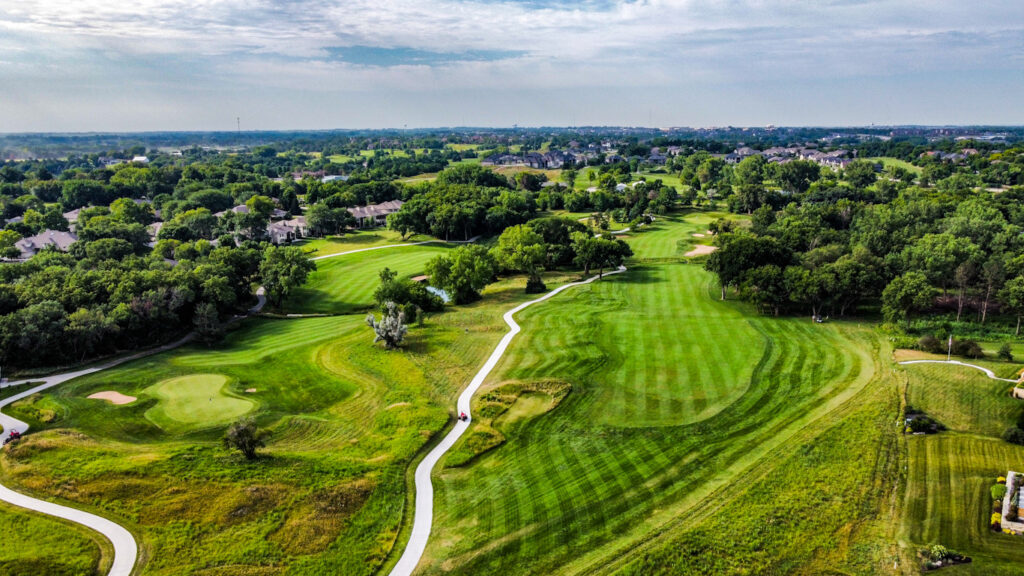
250	390
701	250
698	235
396	405
711	233
113	397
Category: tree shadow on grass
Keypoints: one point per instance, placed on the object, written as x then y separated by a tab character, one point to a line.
639	274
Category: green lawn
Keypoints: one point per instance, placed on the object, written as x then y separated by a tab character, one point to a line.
672	235
195	401
345	284
668	179
949	474
674	395
36	545
357	240
328	497
896	162
638	425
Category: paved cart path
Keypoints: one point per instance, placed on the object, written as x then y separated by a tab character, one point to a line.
423	513
125	547
987	372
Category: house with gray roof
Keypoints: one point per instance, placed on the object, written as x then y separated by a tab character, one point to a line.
375	214
32	245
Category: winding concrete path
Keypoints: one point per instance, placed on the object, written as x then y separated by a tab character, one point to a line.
987	372
423	513
126	551
125	547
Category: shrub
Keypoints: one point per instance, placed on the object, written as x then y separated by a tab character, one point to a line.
1014	435
535	285
246	437
938	552
968	348
998	491
929	343
1005	352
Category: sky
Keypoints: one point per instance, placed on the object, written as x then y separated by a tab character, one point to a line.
133	65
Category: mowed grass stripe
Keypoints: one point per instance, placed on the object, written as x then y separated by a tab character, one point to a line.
345	284
609	444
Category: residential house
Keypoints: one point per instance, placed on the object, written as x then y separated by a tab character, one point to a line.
240	209
141	160
32	245
656	158
502	160
72	217
375	214
285	231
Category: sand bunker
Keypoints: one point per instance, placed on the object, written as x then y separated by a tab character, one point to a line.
250	390
113	397
701	250
698	235
396	405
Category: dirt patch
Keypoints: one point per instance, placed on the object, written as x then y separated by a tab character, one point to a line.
701	251
113	397
250	390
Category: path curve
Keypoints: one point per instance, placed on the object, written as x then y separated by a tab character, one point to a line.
423	513
126	550
335	255
987	372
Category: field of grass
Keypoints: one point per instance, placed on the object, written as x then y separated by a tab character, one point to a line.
674	395
370	238
345	284
36	544
896	162
329	495
672	235
949	474
668	179
638	425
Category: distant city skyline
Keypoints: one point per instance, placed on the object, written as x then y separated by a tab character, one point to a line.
153	65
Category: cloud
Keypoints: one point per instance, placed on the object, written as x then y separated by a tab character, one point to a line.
367	46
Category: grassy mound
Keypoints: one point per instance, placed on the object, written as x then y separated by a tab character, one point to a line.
947	498
195	401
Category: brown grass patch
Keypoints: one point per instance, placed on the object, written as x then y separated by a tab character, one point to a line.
316	522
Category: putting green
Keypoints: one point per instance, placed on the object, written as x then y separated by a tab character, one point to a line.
194	401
